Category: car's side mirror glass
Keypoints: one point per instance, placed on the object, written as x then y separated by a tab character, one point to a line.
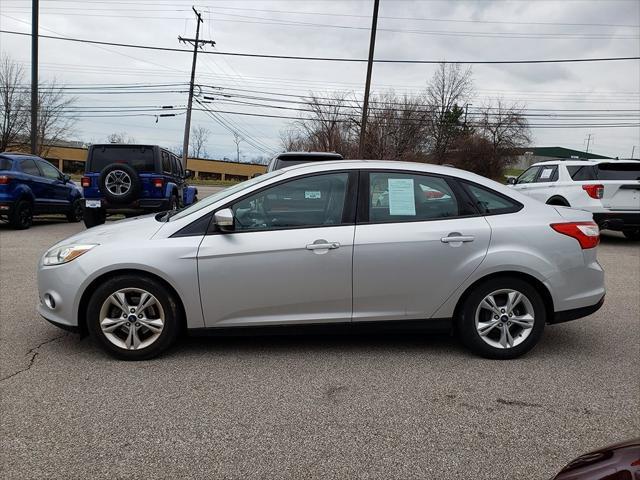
224	219
511	180
66	178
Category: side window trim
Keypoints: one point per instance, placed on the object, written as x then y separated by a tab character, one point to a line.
362	217
348	213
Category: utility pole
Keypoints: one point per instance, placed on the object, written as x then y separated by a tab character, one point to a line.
589	140
197	43
466	110
35	7
633	150
367	86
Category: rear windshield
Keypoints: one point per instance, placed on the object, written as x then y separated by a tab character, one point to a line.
5	164
618	171
289	161
140	158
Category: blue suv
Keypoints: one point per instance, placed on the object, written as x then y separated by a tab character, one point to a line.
133	179
30	185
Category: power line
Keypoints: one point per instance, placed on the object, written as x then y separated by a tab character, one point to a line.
329	59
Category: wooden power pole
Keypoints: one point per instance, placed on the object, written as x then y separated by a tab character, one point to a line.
367	86
34	76
197	43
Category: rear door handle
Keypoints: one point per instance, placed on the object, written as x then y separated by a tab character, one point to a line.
457	238
323	245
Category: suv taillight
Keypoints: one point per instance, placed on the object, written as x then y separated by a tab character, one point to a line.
85	182
5	179
158	182
586	233
594	191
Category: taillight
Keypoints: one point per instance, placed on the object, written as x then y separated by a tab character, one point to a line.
594	191
586	233
85	182
5	179
158	182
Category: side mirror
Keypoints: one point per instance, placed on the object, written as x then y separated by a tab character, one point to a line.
188	174
224	219
66	178
511	180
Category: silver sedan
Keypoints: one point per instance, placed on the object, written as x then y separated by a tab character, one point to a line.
339	245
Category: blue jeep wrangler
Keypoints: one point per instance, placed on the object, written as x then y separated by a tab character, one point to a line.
30	185
133	179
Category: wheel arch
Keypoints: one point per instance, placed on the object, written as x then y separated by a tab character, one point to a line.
558	200
533	281
90	288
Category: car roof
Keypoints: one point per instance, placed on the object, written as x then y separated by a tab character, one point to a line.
18	155
285	155
582	162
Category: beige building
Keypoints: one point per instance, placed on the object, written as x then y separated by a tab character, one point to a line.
72	159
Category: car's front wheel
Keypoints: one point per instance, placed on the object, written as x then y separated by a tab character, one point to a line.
133	317
94	217
501	318
75	214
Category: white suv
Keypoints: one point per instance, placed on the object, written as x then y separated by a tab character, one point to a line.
609	189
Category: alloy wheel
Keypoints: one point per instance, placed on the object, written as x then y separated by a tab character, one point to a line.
504	318
132	318
118	182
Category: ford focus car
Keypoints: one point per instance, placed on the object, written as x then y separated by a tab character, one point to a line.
314	245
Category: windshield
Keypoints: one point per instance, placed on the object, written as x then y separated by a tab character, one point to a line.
141	158
619	171
211	199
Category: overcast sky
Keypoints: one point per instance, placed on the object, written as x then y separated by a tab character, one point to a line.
425	30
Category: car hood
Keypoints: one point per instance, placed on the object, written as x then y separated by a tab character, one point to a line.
132	229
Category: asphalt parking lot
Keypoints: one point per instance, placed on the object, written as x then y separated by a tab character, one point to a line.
400	406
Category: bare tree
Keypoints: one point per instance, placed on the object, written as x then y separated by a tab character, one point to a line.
54	124
237	140
449	88
13	101
120	137
199	138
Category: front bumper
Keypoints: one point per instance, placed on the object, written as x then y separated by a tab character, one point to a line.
617	220
62	284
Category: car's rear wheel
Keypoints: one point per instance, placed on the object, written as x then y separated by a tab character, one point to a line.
94	217
501	318
173	203
21	217
133	317
632	234
76	213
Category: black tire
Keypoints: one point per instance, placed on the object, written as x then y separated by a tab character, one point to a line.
77	211
195	199
465	323
632	234
173	203
169	304
94	217
558	202
21	217
129	195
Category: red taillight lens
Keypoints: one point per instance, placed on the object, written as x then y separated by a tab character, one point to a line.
85	182
4	179
586	233
158	182
594	191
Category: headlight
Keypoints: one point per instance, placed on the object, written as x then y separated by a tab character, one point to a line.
65	253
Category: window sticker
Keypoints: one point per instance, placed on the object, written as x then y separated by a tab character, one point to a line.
401	197
546	173
313	194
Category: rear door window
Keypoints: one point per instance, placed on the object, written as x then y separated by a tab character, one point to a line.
140	158
548	173
618	171
166	162
175	164
29	167
407	197
528	176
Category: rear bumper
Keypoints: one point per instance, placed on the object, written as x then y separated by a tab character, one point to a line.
617	220
139	206
575	313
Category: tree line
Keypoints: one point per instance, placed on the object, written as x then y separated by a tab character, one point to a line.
433	126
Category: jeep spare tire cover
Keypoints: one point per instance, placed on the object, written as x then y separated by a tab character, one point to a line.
119	183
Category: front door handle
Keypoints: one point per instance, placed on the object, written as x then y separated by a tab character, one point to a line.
323	245
456	237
